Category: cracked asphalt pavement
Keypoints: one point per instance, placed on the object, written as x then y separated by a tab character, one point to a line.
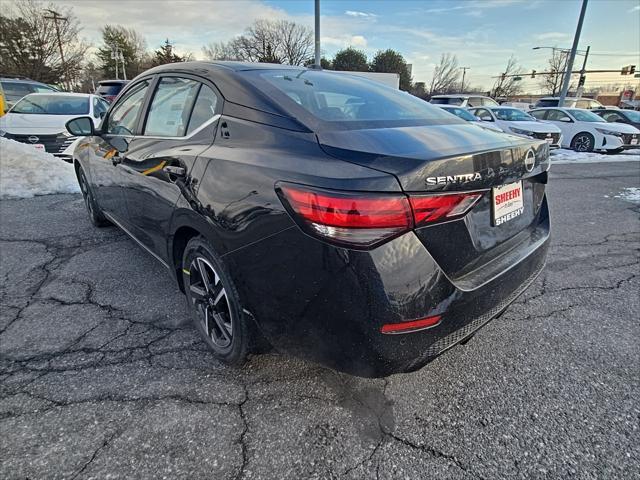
103	376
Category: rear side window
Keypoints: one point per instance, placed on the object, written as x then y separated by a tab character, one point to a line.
124	116
547	103
203	110
171	107
109	89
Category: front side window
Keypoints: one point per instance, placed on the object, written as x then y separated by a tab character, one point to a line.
558	116
584	116
612	117
484	114
204	109
474	102
52	105
124	116
539	114
489	102
171	106
582	104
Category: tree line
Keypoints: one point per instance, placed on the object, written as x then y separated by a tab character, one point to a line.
29	47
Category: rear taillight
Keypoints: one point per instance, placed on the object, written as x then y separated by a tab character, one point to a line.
352	219
364	220
435	208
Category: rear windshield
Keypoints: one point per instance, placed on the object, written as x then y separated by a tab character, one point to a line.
462	113
547	103
109	88
52	105
351	101
585	115
447	100
512	115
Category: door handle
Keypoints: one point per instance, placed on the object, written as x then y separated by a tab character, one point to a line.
175	171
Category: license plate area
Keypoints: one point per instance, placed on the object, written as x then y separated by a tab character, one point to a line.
507	203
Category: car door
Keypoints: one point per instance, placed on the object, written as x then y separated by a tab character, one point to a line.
181	122
118	129
564	122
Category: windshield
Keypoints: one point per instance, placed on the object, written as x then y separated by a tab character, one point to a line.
512	115
52	105
632	115
346	100
447	100
585	116
462	113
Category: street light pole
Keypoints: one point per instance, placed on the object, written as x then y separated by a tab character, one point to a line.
55	16
317	33
464	71
572	55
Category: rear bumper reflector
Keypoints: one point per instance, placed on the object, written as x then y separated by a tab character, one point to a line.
411	326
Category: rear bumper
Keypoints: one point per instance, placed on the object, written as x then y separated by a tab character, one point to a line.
328	304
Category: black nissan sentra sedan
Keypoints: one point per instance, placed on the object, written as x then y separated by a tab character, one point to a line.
326	215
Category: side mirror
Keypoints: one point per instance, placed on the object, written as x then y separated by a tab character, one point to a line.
81	126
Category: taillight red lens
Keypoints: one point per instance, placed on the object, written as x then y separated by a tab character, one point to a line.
433	208
351	218
364	220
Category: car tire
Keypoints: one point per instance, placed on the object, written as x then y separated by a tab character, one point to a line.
93	209
583	142
213	302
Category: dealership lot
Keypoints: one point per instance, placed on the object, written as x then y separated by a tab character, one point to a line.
101	373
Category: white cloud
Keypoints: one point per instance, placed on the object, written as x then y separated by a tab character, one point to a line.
551	36
354	13
343	41
635	9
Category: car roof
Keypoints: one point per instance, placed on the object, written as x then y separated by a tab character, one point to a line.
21	80
459	95
106	82
61	94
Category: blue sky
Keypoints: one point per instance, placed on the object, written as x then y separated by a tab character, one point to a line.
482	33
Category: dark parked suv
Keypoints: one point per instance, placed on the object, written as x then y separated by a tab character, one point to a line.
332	217
109	89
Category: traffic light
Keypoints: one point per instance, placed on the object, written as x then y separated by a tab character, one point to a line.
533	74
628	70
632	69
582	80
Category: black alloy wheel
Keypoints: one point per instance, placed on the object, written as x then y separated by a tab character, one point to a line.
583	142
213	302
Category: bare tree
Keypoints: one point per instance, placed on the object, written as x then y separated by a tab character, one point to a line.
220	51
557	65
279	41
29	44
446	75
507	84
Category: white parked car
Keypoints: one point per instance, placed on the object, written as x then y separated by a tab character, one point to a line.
463	100
515	121
584	131
39	119
465	114
569	102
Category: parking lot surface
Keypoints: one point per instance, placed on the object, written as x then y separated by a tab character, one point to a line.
103	376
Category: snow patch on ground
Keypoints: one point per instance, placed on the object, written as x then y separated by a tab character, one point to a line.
26	172
631	194
562	156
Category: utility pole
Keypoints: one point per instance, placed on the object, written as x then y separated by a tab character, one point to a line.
317	35
583	78
55	16
464	71
572	55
